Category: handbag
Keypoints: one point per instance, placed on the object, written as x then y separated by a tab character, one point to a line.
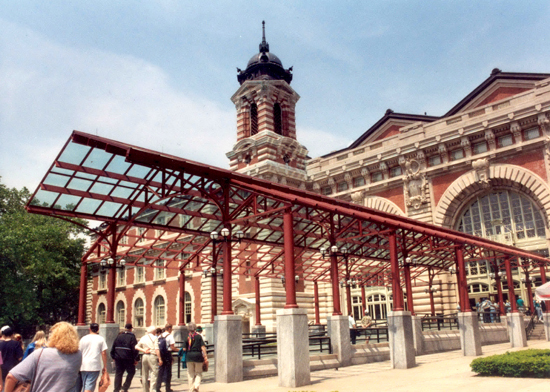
26	386
205	366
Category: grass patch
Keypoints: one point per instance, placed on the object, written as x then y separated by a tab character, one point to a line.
526	363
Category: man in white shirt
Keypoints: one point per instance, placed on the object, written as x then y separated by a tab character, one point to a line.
352	332
150	359
165	369
94	350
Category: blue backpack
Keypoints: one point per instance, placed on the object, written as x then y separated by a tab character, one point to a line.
163	348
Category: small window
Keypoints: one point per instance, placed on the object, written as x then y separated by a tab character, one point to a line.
505	141
121	277
101	314
140	275
141	232
342	186
160	273
434	160
187	307
378	176
358	181
532	133
395	171
326	190
102	284
479	148
457	154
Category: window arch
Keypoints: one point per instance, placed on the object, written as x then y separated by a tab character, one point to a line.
160	311
503	216
188	307
277	119
253	119
139	313
101	313
120	314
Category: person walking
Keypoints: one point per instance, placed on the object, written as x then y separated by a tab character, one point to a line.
54	368
38	341
352	329
196	356
94	351
167	345
150	360
126	356
11	350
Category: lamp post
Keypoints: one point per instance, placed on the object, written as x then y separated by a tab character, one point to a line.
334	252
224	237
431	290
496	276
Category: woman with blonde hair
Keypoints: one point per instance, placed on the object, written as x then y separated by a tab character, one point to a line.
38	341
53	368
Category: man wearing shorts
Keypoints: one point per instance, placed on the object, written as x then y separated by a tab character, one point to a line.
94	350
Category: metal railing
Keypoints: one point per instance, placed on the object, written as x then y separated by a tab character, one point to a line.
531	325
439	322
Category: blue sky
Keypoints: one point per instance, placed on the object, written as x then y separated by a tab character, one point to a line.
160	74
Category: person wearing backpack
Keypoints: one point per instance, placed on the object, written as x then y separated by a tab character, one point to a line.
166	345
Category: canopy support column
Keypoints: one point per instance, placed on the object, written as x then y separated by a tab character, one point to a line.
82	295
408	286
316	300
227	295
289	261
398	303
516	324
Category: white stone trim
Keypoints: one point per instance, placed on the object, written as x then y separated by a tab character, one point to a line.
384	205
466	186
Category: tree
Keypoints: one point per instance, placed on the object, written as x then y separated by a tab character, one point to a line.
40	258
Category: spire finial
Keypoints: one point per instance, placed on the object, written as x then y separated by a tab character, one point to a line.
264	46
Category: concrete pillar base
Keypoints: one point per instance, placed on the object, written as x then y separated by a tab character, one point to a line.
82	330
516	329
258	331
400	331
418	335
208	331
180	332
340	339
546	321
228	352
109	333
470	336
293	348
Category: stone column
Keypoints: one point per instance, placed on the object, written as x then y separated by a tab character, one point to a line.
418	335
340	339
470	337
82	330
293	348
516	329
109	333
180	332
546	321
228	351
400	331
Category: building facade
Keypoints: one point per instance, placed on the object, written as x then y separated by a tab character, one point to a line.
482	168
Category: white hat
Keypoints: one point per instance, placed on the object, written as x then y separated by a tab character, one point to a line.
4	328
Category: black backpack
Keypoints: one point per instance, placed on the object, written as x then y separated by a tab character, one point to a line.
163	348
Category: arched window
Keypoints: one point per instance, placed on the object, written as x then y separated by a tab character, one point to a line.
160	311
120	314
101	314
139	312
505	217
377	306
253	119
187	307
357	304
277	119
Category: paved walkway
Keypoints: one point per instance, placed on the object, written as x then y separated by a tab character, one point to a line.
449	371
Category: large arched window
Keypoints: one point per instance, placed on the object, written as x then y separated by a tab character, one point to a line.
377	306
101	314
159	311
187	307
253	119
120	314
139	313
277	119
506	217
357	304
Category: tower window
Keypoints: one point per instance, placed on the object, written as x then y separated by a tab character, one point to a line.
253	119
277	119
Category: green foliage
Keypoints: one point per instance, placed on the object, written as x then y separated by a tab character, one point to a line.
40	259
525	363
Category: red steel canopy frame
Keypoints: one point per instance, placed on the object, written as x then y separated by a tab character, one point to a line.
175	204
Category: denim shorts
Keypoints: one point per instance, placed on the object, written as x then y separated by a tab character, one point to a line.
89	379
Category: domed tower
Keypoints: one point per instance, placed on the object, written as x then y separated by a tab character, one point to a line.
266	127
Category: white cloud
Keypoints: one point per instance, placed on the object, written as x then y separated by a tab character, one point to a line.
320	142
48	89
